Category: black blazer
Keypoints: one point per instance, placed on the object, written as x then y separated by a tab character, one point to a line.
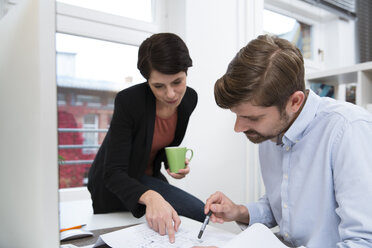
124	153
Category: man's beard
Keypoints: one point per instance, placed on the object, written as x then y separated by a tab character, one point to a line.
259	138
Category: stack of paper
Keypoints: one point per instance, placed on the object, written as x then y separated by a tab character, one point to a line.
257	235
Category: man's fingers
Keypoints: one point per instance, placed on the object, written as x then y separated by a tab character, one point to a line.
216	219
218	208
219	220
212	199
215	198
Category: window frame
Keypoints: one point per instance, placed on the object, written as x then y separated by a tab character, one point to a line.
88	23
74	20
313	16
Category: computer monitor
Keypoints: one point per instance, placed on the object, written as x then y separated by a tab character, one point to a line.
28	126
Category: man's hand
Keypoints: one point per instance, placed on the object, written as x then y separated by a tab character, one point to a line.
223	209
160	215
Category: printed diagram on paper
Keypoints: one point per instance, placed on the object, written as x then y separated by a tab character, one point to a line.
144	237
184	238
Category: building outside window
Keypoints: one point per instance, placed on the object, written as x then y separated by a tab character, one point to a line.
90	72
90	121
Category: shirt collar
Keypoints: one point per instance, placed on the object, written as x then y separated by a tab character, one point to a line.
297	129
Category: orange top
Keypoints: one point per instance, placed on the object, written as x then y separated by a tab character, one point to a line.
163	135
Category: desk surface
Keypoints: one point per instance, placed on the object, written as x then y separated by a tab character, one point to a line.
75	213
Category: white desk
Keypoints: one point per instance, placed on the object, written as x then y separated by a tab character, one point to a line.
74	213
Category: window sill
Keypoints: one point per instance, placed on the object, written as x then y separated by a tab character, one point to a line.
74	194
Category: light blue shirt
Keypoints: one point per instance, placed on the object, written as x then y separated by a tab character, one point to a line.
319	181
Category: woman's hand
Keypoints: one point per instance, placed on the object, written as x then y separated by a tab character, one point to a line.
160	215
182	172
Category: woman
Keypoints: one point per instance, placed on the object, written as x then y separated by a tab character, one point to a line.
125	174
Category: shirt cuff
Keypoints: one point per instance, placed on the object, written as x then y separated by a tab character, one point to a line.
255	213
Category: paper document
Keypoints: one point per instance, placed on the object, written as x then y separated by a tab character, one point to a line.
187	236
257	236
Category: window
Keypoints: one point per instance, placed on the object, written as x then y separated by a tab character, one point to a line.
61	99
90	121
93	64
288	28
88	101
89	74
138	9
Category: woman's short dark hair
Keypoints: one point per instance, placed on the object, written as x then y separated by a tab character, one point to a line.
164	52
266	72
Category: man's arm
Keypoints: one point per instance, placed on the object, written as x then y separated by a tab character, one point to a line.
352	174
260	212
225	210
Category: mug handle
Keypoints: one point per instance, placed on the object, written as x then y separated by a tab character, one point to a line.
192	154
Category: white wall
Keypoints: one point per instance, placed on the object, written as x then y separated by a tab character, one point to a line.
28	127
220	162
214	31
339	43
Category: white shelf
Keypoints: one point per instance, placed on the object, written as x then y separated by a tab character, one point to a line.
359	74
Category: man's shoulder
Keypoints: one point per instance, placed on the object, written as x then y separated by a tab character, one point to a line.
333	109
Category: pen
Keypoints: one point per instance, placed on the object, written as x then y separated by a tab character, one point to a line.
74	227
205	223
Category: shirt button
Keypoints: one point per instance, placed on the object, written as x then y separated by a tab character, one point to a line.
285	205
285	176
286	235
287	148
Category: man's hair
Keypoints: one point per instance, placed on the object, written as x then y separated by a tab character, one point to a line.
164	52
266	73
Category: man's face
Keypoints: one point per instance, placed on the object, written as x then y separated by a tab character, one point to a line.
260	123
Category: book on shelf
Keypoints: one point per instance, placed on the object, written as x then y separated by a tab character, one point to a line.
350	95
323	89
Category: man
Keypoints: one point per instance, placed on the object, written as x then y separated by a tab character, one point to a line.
315	153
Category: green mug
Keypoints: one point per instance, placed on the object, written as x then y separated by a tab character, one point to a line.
176	157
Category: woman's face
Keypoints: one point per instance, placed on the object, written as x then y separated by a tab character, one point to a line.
168	89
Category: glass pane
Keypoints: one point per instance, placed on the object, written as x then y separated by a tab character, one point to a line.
135	9
89	74
290	29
